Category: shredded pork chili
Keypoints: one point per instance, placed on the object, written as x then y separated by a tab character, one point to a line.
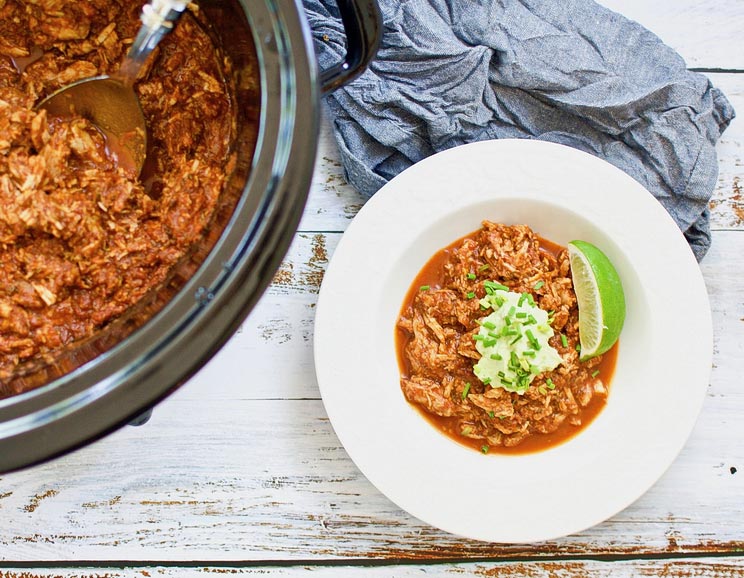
437	352
81	238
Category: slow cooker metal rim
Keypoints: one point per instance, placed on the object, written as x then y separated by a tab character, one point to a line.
115	387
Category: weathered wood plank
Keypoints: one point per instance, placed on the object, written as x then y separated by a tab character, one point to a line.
704	32
699	568
277	338
241	466
333	202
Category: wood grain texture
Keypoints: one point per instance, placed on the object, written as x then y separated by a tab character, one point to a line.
334	202
242	464
700	568
703	32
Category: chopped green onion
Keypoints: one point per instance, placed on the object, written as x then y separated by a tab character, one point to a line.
489	342
489	325
505	381
495	286
530	299
471	295
502	374
424	287
522	297
578	347
487	381
483	268
485	448
483	307
531	320
499	301
521	315
507	320
595	373
466	390
538	285
534	370
512	310
528	353
491	414
532	339
494	334
517	338
496	357
549	383
564	340
471	276
478	337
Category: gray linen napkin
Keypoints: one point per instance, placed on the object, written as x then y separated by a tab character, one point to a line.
450	72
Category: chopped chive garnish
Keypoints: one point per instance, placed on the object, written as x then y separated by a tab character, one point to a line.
489	325
578	347
549	383
487	381
466	390
542	390
471	295
494	334
496	357
495	286
505	381
471	276
502	374
530	299
483	268
478	337
528	353
485	448
522	297
491	414
499	301
521	315
513	360
534	370
483	307
507	320
538	285
564	340
595	373
424	287
512	310
531	320
489	342
513	341
532	339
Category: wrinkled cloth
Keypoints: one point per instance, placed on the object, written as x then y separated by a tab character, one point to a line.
450	72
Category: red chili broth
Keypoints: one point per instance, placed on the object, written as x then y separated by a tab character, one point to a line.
432	274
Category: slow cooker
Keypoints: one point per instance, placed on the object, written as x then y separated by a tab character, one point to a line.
119	374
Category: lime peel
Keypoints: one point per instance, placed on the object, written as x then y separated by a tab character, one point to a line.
600	297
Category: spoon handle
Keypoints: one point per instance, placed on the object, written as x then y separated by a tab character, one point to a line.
158	18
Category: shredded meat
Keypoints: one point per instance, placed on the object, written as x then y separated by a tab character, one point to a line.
81	239
438	351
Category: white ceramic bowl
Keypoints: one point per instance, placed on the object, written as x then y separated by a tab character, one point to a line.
662	368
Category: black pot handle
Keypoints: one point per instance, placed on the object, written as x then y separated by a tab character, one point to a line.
363	26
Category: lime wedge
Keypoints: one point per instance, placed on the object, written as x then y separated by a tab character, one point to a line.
600	296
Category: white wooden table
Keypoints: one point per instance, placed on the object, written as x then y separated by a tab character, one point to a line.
240	471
